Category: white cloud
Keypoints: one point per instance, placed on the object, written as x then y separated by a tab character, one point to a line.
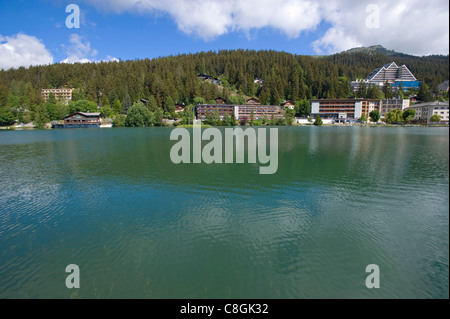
22	50
111	59
411	26
211	18
79	51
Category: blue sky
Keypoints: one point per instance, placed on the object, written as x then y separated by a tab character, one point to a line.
34	32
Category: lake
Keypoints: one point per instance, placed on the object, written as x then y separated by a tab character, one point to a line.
138	226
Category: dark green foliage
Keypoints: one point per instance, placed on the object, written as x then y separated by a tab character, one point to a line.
363	118
165	80
41	116
375	116
408	115
139	116
289	116
394	116
6	117
302	108
318	121
119	120
435	118
424	94
83	106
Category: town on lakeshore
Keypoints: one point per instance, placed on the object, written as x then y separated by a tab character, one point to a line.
391	94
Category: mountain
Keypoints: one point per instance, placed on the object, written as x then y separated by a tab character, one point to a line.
432	70
377	49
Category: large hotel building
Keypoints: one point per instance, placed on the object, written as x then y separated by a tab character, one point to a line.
240	112
62	95
353	109
391	73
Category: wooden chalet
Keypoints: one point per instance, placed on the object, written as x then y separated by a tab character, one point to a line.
220	100
81	120
288	104
179	107
208	78
253	101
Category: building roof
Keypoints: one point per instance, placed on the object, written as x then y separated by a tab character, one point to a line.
391	73
345	100
428	104
443	86
85	114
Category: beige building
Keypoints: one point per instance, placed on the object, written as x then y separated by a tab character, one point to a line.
353	109
343	109
394	104
424	111
62	95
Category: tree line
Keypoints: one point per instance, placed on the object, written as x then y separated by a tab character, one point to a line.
115	87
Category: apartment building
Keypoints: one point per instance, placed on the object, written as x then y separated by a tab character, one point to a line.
424	111
343	109
393	104
240	112
62	95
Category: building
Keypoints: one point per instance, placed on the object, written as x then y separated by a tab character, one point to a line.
346	110
394	104
240	112
244	112
288	104
443	87
424	111
259	81
395	75
253	101
208	78
61	95
179	107
81	120
220	100
204	109
353	109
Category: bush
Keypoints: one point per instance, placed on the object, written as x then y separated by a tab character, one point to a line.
6	117
119	120
435	118
375	116
318	121
139	116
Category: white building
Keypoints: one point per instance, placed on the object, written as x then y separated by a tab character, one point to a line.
424	111
62	95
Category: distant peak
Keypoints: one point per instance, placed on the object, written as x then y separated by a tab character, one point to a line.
375	49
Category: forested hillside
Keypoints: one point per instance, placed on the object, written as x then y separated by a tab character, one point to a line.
174	79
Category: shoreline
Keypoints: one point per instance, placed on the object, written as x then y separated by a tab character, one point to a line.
10	128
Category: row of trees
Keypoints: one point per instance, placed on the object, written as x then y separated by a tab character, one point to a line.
115	86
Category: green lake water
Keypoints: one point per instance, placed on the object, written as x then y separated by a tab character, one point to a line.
139	226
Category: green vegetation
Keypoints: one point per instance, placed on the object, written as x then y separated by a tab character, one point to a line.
394	116
408	115
363	118
435	118
318	121
375	116
113	87
424	93
139	116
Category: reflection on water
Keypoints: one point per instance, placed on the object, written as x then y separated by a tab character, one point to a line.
139	226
